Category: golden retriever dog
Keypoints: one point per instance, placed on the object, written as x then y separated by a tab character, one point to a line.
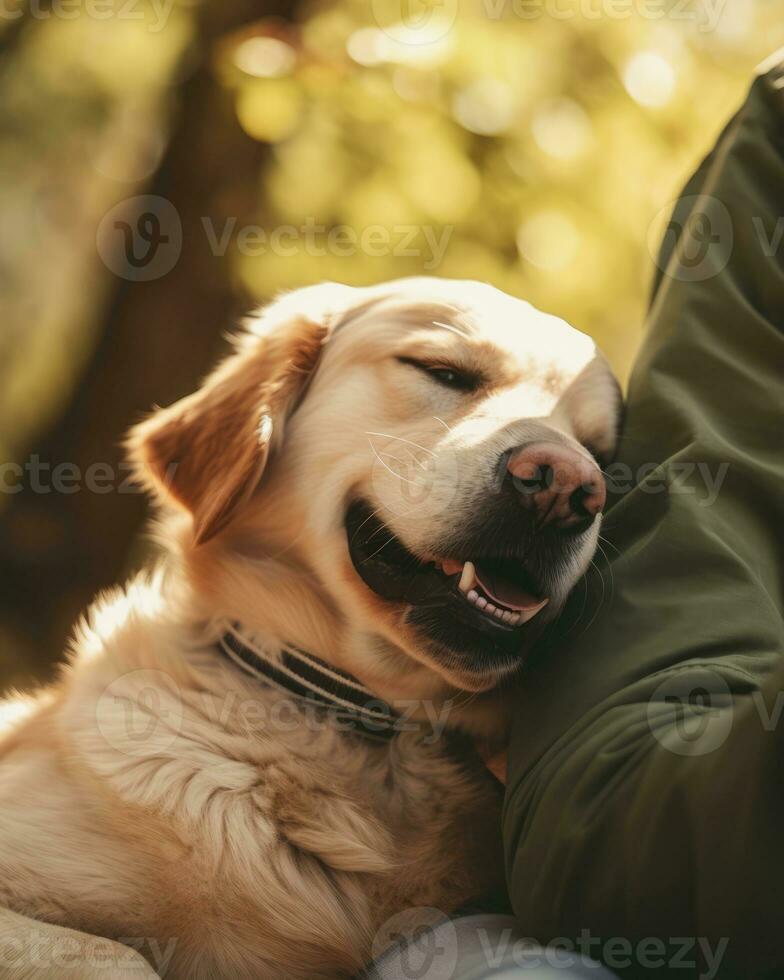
263	748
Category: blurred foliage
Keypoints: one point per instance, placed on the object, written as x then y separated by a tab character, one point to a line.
545	138
535	140
85	108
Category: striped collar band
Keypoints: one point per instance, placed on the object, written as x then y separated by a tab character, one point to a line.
353	706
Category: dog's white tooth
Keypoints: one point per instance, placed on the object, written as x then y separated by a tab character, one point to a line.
515	619
481	601
507	617
527	614
499	613
468	577
472	595
489	607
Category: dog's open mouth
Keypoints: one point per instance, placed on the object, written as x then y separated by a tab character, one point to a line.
498	593
499	588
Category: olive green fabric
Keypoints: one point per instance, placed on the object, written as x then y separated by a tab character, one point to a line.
645	802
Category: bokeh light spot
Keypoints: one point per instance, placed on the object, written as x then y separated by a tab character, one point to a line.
561	128
549	240
486	107
265	57
650	79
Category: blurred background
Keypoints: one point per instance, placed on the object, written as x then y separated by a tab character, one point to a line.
165	165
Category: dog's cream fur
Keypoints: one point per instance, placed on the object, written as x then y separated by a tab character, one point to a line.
158	796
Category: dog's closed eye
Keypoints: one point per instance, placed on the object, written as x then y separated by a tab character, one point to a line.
446	375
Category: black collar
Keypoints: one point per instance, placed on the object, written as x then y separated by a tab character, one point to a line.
311	680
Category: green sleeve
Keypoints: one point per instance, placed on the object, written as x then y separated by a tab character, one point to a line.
645	802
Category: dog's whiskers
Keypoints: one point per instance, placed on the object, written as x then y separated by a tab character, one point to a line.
412	455
389	540
387	467
609	544
452	327
370	517
578	618
603	553
601	598
408	442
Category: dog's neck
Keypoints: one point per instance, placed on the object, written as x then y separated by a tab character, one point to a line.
312	682
283	601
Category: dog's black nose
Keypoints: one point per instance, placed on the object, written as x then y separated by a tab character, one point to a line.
563	486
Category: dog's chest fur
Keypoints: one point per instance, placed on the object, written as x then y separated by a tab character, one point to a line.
191	806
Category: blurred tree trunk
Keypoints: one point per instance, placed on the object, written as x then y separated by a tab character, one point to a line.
57	550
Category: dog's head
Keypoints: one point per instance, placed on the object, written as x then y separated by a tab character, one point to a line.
423	457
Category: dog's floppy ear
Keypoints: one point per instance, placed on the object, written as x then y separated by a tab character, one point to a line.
207	452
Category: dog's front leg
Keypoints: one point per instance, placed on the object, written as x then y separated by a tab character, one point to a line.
33	950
